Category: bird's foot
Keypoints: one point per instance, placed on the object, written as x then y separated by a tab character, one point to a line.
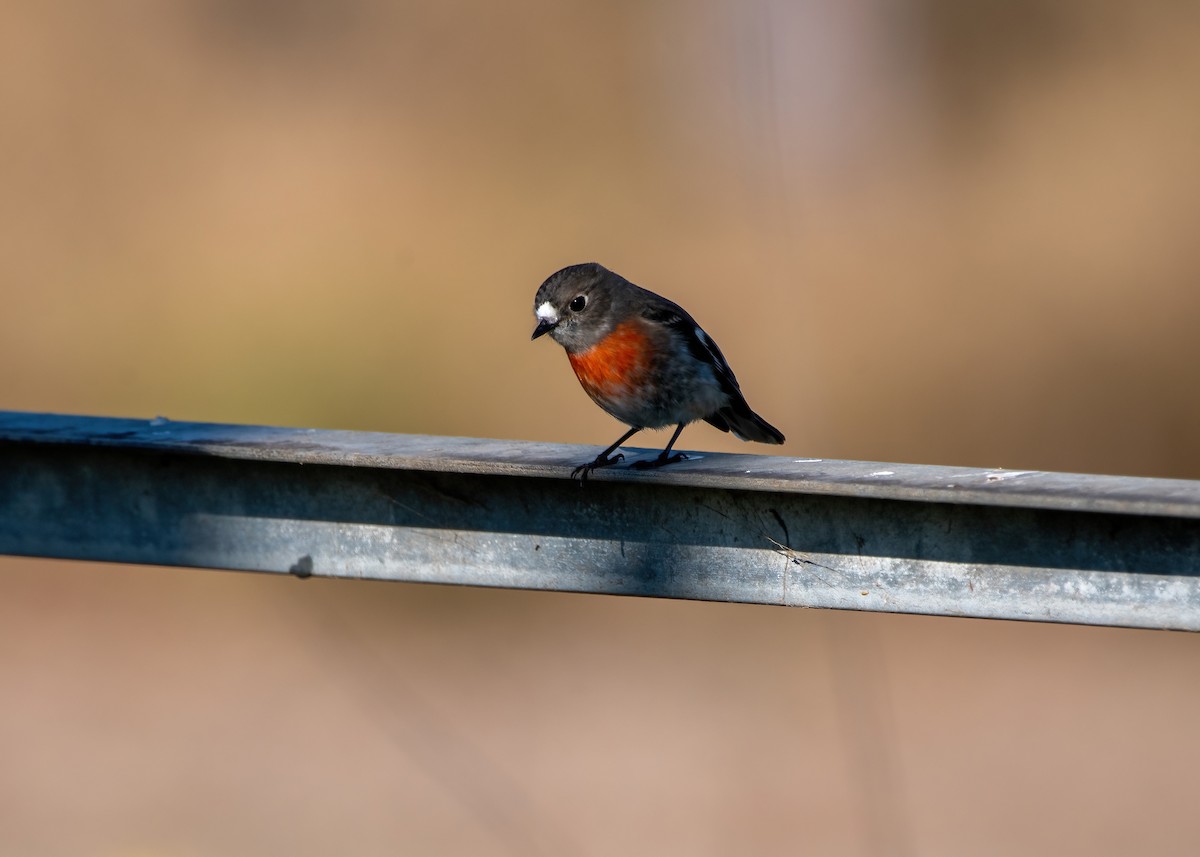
659	462
583	471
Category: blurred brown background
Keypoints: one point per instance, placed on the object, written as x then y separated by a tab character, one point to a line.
954	233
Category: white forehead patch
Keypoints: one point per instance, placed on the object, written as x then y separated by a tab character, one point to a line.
546	313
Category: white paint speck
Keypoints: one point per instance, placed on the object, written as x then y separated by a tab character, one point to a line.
546	312
883	473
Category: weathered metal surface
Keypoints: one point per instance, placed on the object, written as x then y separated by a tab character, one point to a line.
769	530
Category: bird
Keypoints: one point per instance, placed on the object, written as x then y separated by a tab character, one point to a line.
643	359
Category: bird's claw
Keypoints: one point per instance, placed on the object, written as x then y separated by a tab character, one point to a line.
584	470
658	462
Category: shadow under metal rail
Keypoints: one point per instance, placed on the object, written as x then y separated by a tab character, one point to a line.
1103	550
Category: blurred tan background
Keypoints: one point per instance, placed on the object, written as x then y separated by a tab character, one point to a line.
953	233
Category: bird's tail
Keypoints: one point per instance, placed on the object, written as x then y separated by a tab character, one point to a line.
737	417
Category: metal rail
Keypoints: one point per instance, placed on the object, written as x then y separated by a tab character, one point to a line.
948	541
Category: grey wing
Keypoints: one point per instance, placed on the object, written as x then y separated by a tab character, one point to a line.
700	345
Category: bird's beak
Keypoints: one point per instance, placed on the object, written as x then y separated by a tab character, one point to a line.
544	326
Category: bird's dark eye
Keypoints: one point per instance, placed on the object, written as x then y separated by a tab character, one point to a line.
578	303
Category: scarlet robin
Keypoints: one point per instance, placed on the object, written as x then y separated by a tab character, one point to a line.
642	359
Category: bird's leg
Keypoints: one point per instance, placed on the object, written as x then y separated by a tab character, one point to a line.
665	456
604	459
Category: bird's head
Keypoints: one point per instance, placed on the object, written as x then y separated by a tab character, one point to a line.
573	306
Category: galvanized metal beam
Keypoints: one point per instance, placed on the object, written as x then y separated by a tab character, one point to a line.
947	541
